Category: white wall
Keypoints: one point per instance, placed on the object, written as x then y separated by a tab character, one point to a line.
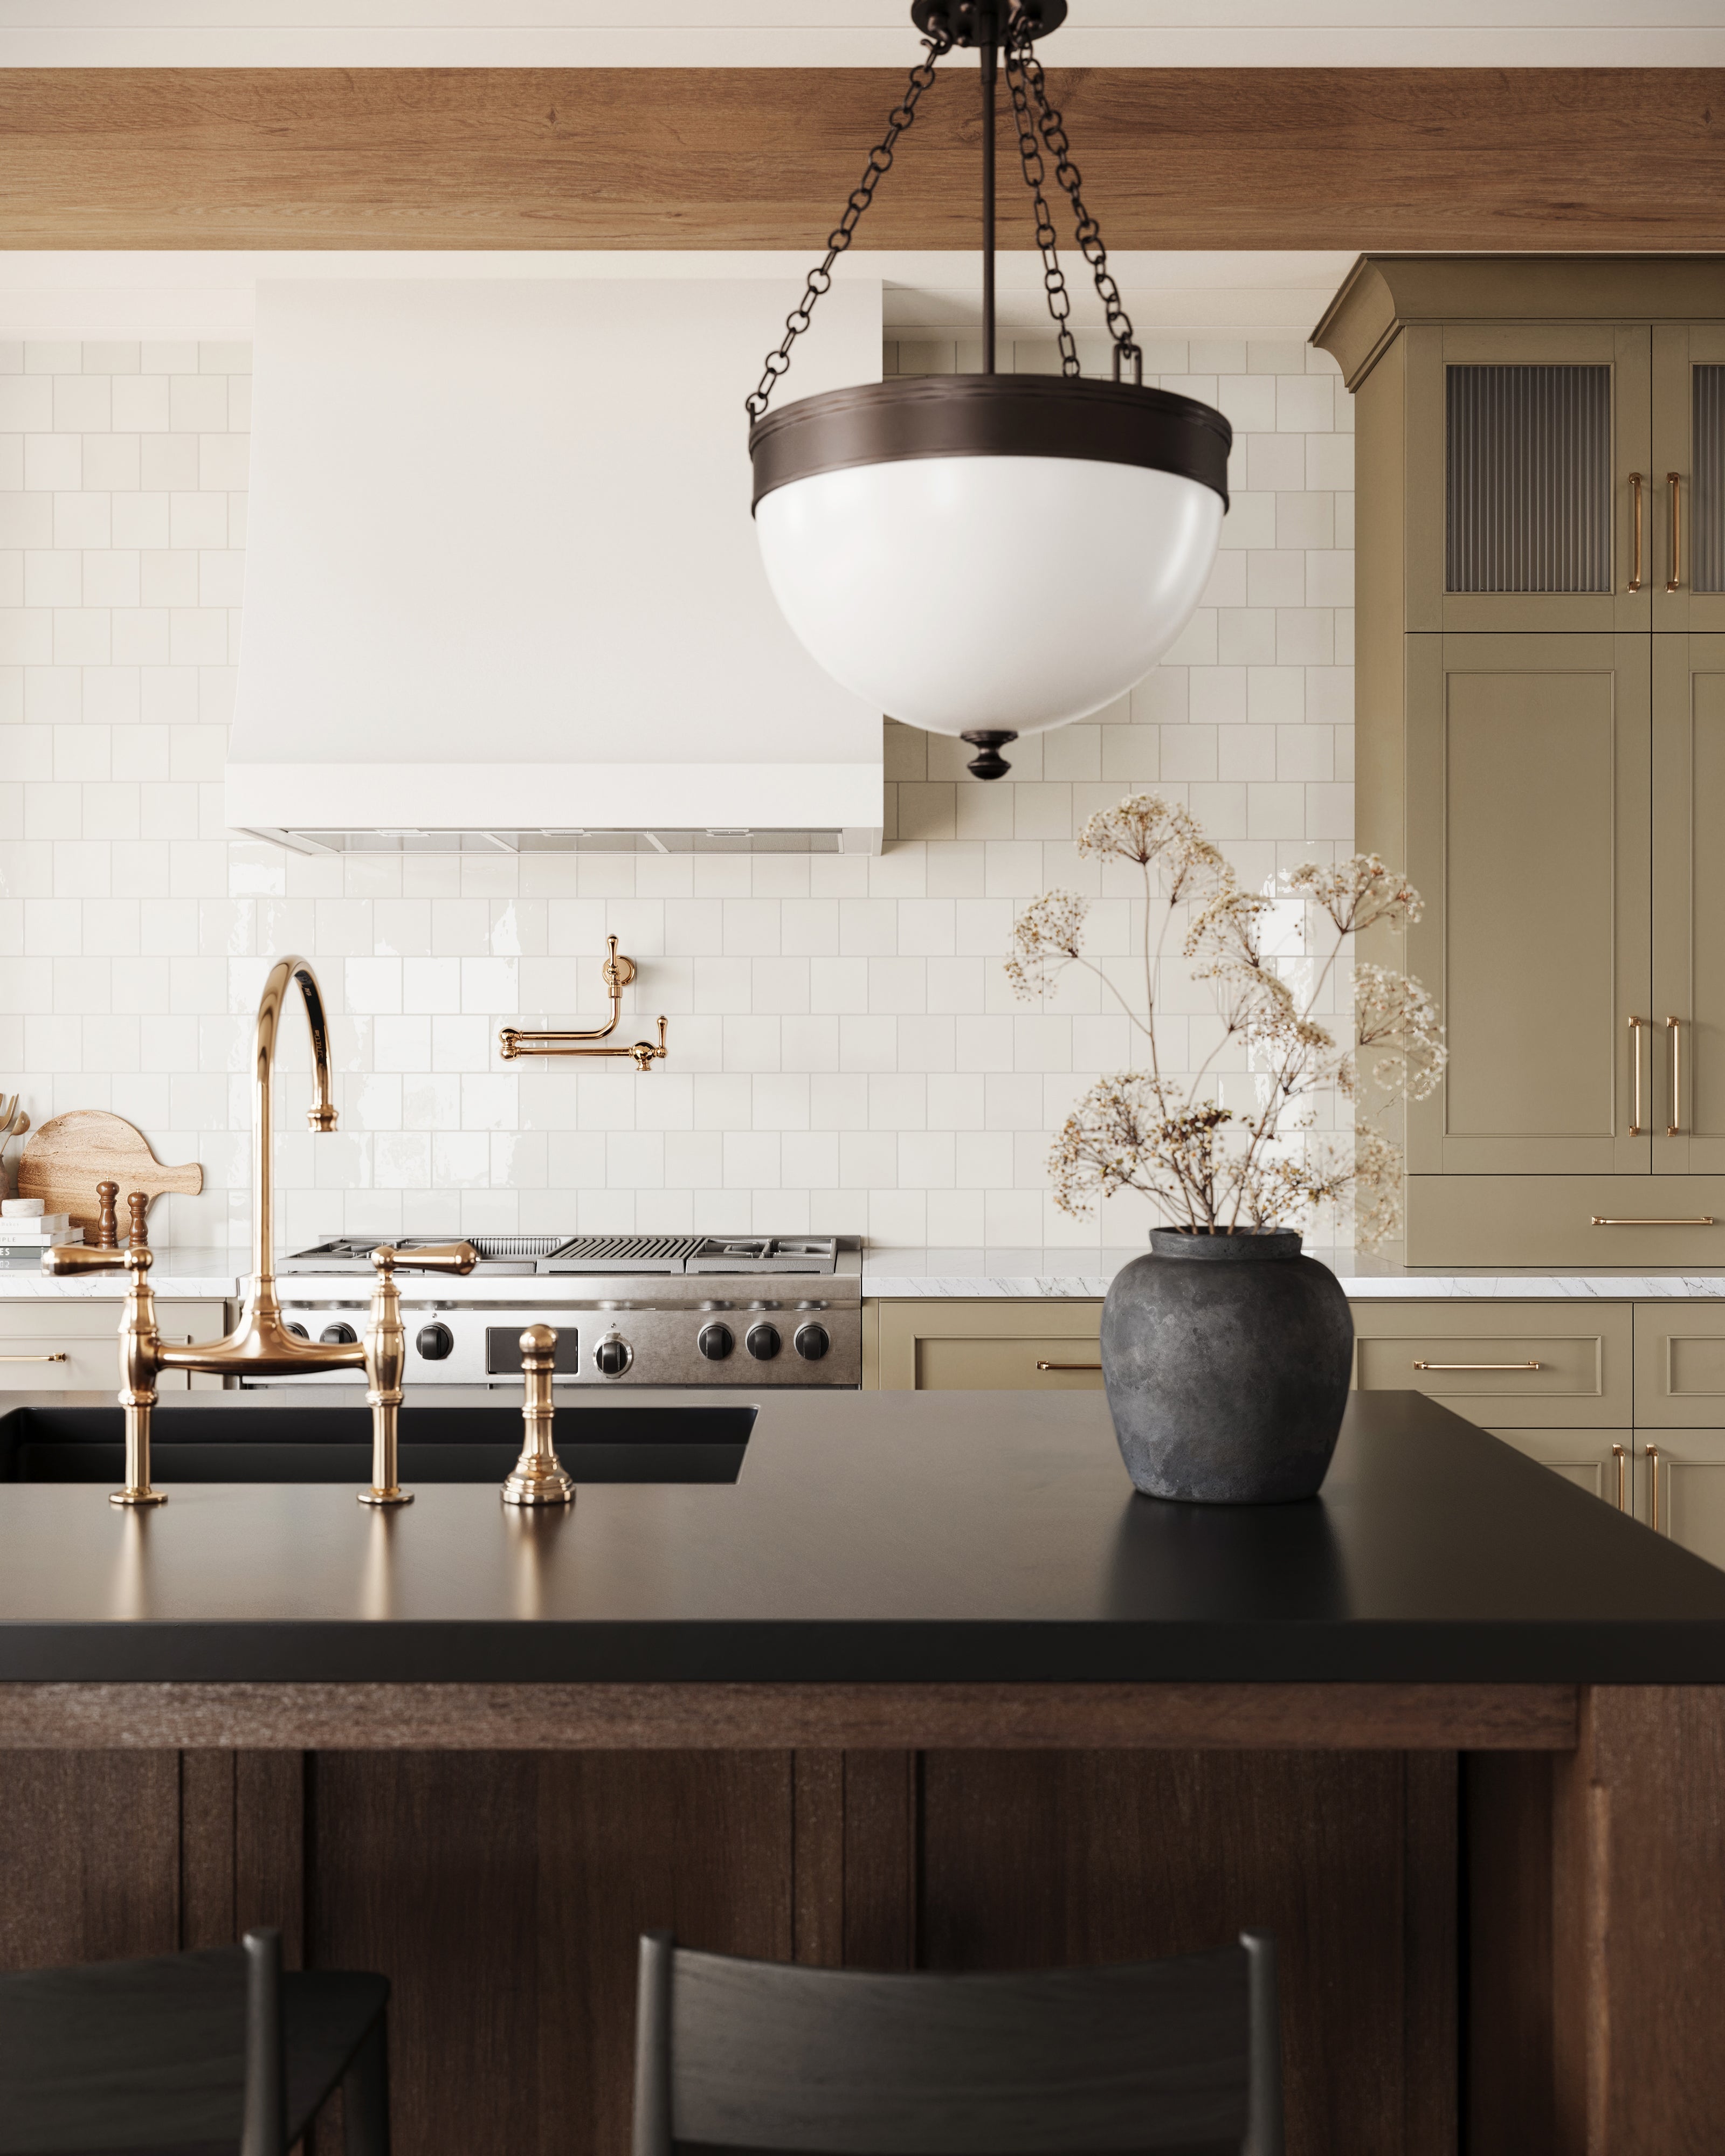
844	1052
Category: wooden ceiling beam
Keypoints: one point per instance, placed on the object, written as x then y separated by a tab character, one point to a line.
667	157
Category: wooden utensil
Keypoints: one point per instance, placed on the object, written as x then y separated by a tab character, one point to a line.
70	1154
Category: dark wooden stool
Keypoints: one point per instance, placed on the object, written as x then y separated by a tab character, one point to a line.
1183	2053
190	2054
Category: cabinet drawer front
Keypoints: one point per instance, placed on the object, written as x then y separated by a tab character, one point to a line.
1478	1357
1501	1220
1600	1461
994	1366
1680	1365
73	1346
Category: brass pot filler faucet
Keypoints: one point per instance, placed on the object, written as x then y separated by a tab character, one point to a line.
260	1345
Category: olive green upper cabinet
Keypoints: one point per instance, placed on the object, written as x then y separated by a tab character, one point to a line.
1527	833
1687	554
1687	1035
1528	462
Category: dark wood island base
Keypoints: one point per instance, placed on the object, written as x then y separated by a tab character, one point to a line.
1498	1904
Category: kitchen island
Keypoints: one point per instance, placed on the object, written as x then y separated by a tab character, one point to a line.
925	1684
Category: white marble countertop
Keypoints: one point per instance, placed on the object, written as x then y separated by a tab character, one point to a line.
218	1275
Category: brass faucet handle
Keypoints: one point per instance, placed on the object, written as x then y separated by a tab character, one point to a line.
434	1258
88	1258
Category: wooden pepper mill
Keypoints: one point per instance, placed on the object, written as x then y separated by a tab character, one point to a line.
108	1226
138	1205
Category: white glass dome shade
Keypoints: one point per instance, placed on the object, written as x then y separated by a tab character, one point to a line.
989	553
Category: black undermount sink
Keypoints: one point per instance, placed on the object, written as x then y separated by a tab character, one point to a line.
334	1444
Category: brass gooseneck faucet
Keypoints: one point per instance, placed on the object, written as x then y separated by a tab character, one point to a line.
260	1345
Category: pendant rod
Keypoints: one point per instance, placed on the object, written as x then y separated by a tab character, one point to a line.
988	55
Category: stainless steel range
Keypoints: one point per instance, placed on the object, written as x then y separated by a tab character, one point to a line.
752	1310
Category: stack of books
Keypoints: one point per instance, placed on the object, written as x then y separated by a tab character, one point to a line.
22	1242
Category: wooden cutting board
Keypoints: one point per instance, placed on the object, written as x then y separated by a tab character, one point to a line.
64	1160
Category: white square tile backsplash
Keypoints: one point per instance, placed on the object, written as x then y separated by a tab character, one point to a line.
844	1052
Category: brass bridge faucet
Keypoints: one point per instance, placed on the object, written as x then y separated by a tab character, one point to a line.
260	1345
616	972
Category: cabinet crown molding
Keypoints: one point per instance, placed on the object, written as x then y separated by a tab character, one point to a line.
1382	295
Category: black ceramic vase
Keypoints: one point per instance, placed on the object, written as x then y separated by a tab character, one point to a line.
1226	1358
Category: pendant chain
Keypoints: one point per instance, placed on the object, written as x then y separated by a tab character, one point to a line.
1024	64
935	45
1053	278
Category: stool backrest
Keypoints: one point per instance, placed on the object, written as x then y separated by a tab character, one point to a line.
1183	2053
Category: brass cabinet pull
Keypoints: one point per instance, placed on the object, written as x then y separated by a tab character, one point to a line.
1620	1455
1653	1460
1675	483
1701	1220
1637	1072
1674	1034
61	1357
1068	1366
1478	1366
1634	581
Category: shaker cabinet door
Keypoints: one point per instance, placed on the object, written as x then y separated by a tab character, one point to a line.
1688	1005
1679	1488
1527	448
1687	530
1529	836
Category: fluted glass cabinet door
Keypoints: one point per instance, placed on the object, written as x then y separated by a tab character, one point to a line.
1528	833
1689	470
1523	445
1689	903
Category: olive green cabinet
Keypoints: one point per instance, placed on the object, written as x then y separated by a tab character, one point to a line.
1541	735
1600	1461
1528	833
983	1344
49	1345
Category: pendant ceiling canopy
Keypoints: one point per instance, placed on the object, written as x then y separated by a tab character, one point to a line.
989	555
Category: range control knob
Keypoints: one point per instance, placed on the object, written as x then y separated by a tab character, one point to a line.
612	1356
812	1342
762	1341
298	1331
338	1336
435	1342
716	1342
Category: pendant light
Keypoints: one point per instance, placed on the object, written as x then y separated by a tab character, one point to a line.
989	555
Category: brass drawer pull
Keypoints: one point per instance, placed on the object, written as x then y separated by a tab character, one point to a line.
1637	1121
1634	581
61	1357
1653	1460
1701	1220
1674	481
1478	1366
1620	1455
1068	1366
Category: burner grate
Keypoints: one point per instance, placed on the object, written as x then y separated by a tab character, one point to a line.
673	1248
514	1246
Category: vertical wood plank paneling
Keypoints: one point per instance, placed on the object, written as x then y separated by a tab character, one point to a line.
1034	1859
89	1855
881	1859
818	1858
269	1805
1639	1879
1431	1978
207	1828
1506	1804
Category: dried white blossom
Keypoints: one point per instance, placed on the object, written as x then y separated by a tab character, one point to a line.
1203	1165
1357	893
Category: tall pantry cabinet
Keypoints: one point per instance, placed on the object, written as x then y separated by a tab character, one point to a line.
1541	735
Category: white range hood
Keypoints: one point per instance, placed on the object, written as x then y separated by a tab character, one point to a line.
502	588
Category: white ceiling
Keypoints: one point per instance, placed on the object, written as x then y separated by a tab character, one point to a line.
96	294
849	33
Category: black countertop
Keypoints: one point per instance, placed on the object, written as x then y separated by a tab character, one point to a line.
874	1536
